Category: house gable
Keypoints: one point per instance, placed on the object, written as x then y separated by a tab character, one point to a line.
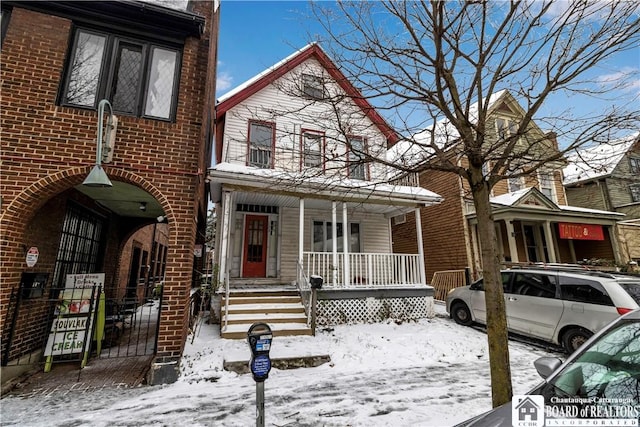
314	51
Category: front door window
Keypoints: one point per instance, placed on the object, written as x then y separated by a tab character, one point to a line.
255	247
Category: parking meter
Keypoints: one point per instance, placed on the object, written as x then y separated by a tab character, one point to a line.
259	337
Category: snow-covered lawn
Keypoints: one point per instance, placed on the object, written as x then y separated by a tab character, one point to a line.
427	373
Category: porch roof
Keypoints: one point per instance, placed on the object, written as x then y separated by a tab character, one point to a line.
288	187
531	204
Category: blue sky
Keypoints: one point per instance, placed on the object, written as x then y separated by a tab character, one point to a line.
256	34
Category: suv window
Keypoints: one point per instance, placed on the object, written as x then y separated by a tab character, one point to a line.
633	289
583	290
479	285
534	284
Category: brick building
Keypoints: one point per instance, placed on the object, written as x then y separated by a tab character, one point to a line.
533	221
155	67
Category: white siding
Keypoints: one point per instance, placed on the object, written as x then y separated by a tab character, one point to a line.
278	103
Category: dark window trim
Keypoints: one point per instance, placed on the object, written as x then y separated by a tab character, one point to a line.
107	71
635	195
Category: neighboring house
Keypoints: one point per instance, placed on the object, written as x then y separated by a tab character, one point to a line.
532	219
607	177
142	76
299	187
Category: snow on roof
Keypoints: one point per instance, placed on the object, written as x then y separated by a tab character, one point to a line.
510	199
443	134
597	161
266	72
335	183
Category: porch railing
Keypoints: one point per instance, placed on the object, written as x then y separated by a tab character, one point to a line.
365	269
304	288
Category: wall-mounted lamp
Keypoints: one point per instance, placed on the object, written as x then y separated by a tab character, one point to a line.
143	206
98	177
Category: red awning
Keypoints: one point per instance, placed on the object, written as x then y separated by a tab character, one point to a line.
580	231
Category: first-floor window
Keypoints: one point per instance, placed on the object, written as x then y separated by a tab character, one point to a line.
80	247
323	236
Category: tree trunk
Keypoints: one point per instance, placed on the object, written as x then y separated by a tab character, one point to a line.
501	391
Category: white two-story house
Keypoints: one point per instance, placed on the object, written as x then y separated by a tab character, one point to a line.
300	185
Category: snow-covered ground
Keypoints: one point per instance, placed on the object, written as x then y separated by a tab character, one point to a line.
426	373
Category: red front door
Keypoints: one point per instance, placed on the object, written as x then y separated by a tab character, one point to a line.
255	246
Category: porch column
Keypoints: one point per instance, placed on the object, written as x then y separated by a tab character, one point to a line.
224	241
551	247
615	244
334	243
301	233
346	232
423	274
511	238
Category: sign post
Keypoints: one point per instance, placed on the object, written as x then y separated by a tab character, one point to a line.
259	337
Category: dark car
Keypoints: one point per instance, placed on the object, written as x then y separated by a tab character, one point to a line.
600	381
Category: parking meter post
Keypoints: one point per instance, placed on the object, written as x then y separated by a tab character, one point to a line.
316	283
260	404
313	311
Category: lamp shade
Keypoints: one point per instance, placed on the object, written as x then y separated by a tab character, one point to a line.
97	178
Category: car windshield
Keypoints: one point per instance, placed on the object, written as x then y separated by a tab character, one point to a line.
608	370
632	289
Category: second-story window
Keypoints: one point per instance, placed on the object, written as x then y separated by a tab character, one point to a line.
357	168
313	86
312	149
635	192
505	128
546	184
138	78
261	144
634	165
515	183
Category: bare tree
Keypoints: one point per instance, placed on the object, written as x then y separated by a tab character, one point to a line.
437	67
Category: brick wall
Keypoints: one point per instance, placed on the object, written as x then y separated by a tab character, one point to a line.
442	227
48	149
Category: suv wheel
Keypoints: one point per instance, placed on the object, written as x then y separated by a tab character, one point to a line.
461	314
574	338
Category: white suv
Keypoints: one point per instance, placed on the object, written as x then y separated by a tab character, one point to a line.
564	307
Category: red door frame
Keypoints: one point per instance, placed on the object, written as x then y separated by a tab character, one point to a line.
254	261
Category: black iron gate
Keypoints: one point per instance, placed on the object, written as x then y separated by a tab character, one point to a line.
130	326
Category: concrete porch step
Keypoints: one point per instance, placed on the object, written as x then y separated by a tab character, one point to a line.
281	309
239	331
263	299
263	308
234	319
